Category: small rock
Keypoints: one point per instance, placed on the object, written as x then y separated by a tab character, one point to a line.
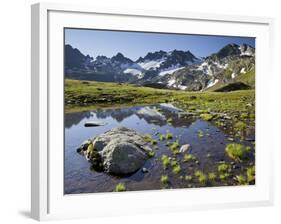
185	148
144	170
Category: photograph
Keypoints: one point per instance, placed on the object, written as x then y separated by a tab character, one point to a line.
157	111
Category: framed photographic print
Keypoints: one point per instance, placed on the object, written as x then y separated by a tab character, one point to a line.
153	111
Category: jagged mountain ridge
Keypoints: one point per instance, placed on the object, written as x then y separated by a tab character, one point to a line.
175	69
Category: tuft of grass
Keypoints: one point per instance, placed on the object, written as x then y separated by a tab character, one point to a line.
120	187
164	179
242	180
212	176
147	137
240	126
236	151
224	168
188	177
165	161
161	137
206	117
223	176
169	136
175	147
176	169
201	177
188	157
151	154
153	142
251	174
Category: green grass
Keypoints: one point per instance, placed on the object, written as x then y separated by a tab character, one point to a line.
151	154
206	117
147	138
251	174
169	136
120	187
164	179
188	157
175	147
94	95
236	152
188	177
153	142
212	176
242	180
247	78
176	169
161	137
165	161
224	168
201	177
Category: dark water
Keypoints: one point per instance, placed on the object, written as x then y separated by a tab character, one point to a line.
79	177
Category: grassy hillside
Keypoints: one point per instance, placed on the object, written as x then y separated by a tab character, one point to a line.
247	78
86	95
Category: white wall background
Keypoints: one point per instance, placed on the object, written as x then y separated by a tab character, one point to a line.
15	110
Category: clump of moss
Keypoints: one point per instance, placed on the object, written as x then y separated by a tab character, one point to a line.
188	177
176	169
147	138
169	136
224	168
242	180
153	142
120	187
212	176
188	157
236	151
164	179
240	126
175	147
165	161
251	174
161	137
206	117
201	177
151	154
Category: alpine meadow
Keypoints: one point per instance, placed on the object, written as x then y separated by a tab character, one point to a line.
151	111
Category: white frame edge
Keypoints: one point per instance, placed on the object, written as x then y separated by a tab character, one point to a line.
39	91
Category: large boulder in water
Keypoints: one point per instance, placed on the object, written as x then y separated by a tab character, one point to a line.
118	151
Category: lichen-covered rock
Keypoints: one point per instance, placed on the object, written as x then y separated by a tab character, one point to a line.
121	157
118	151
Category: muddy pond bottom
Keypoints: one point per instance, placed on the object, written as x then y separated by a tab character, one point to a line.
207	142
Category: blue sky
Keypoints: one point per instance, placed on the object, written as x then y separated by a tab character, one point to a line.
136	44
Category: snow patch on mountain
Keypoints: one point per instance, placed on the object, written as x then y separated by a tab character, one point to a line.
212	83
147	65
134	72
170	70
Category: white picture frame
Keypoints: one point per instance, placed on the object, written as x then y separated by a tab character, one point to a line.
48	201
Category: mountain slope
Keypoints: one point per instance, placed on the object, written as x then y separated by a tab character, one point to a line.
173	70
